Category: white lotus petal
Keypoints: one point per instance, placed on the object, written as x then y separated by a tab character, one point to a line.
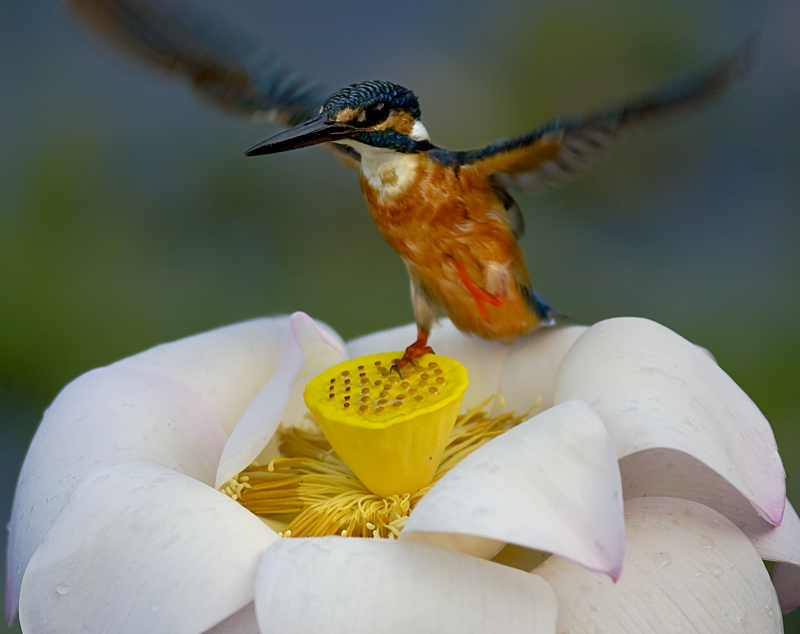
786	578
241	622
226	367
321	349
531	369
337	584
141	548
655	390
483	359
106	417
472	545
549	484
171	404
308	351
383	341
687	569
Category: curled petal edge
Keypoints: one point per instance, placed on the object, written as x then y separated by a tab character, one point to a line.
655	390
309	350
550	484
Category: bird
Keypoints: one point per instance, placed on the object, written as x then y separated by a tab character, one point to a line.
448	214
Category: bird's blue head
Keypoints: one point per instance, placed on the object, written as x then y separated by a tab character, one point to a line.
378	114
374	99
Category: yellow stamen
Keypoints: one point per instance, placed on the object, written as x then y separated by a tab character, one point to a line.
392	443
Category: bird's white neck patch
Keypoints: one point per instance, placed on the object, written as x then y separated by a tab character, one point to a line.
387	172
418	132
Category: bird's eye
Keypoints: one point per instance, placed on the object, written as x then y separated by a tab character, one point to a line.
376	113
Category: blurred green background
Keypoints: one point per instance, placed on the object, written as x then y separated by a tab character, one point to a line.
129	217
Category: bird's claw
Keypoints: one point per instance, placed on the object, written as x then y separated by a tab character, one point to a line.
413	352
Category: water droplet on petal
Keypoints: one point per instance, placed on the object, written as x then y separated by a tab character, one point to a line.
664	560
62	588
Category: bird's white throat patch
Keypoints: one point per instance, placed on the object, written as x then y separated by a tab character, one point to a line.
387	172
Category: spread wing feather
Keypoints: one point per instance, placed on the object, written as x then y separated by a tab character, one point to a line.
558	149
224	67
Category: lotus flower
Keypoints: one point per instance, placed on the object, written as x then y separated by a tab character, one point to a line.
639	494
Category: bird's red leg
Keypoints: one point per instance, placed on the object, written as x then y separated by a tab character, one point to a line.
414	351
480	295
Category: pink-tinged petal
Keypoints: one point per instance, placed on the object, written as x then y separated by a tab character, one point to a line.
339	584
669	473
655	390
776	543
687	569
786	579
309	350
483	359
780	544
241	622
550	484
530	372
104	418
672	473
141	548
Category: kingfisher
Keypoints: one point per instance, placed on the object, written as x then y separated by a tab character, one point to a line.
448	214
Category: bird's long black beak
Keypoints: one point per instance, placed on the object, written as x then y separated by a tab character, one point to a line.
320	129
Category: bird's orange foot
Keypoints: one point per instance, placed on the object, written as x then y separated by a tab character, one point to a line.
479	294
417	349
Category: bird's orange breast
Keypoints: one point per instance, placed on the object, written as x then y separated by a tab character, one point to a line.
441	216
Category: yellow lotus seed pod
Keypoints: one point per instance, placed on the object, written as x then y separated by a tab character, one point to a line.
390	430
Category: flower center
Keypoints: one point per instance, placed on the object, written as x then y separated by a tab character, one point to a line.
363	470
390	430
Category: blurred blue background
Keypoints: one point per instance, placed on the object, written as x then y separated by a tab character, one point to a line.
129	217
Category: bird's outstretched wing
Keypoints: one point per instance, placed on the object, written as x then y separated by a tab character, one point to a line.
223	66
558	149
